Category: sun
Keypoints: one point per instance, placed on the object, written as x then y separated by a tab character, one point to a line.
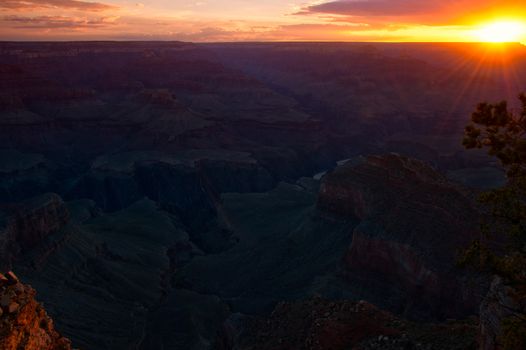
502	32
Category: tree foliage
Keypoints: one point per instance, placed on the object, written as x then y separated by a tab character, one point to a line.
502	132
502	251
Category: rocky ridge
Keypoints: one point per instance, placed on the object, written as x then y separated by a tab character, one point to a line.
24	226
148	239
126	272
319	324
413	223
498	307
24	324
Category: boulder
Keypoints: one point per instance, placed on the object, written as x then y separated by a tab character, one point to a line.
13	307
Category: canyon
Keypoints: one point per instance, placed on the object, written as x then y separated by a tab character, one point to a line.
170	195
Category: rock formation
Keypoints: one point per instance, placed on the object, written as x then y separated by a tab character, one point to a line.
499	305
24	324
215	137
318	324
413	223
24	226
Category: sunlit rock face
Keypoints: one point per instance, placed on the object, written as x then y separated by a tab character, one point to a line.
24	324
413	224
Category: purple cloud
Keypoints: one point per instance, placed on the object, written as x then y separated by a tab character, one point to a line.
374	7
432	12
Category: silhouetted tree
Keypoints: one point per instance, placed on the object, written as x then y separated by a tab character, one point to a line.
503	133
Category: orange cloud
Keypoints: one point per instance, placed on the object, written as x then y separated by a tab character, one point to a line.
339	20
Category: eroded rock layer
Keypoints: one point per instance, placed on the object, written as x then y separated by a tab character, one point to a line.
24	324
413	223
26	225
318	324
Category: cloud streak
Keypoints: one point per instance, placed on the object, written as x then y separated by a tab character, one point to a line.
340	20
22	5
56	22
373	7
428	12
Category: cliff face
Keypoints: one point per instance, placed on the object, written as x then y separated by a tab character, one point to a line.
24	323
413	223
500	305
24	226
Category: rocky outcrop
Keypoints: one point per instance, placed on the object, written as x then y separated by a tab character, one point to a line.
498	306
318	324
413	223
24	226
101	274
187	183
63	105
24	324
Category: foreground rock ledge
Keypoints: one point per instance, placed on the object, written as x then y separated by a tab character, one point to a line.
24	324
319	324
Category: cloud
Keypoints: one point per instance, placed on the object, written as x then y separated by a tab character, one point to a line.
373	7
63	4
289	32
340	20
220	32
143	28
56	22
427	12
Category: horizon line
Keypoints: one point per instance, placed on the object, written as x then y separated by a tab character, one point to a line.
262	42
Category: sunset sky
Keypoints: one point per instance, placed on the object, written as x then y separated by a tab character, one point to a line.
269	20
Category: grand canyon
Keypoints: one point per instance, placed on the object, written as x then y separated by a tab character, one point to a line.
246	196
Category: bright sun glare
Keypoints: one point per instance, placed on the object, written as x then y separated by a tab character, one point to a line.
502	32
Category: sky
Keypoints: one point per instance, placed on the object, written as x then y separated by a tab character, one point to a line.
266	20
